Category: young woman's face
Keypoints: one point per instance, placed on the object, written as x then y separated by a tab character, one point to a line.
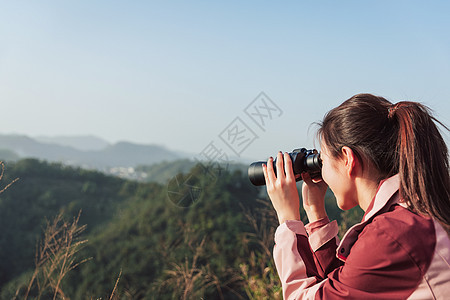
334	173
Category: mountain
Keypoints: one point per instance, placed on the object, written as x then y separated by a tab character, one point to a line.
122	154
163	171
8	155
79	142
132	227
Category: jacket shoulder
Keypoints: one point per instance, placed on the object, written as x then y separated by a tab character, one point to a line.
414	233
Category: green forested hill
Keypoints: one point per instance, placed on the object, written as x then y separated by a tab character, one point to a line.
41	192
219	247
163	171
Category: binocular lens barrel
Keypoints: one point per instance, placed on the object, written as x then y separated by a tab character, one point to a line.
302	161
256	173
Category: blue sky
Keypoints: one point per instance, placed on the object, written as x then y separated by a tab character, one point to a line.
177	73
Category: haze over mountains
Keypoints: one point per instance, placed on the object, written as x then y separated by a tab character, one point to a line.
84	151
80	142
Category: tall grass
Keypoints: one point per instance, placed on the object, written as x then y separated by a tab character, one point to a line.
2	172
55	258
260	279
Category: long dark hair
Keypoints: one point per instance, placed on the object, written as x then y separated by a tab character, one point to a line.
396	138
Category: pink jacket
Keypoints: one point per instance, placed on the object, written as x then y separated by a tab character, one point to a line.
392	254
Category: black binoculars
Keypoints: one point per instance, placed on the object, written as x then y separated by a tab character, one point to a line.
303	160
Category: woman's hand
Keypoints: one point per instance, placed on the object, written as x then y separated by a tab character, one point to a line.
313	193
282	189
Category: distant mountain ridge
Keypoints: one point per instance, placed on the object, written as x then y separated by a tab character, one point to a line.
61	149
80	142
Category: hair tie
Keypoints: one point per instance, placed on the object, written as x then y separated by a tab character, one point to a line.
391	110
403	104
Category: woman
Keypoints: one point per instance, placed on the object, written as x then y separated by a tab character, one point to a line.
392	161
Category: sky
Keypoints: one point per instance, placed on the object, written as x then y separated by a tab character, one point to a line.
187	74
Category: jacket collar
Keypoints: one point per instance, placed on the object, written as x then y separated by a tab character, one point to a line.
386	189
385	197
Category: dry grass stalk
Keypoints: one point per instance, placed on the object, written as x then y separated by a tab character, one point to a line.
186	276
189	280
259	274
115	286
2	172
55	257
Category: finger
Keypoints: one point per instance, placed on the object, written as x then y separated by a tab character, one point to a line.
307	178
288	166
280	167
317	180
266	176
266	173
269	170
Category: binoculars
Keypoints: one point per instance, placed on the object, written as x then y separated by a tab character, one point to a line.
303	160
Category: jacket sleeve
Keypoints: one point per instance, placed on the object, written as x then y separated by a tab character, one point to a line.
378	267
303	265
323	241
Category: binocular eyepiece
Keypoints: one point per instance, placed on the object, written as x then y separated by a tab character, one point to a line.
303	160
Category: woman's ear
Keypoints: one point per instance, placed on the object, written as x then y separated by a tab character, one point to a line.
350	160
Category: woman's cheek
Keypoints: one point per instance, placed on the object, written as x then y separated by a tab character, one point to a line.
325	175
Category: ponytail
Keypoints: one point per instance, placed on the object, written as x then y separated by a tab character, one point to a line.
422	157
398	138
